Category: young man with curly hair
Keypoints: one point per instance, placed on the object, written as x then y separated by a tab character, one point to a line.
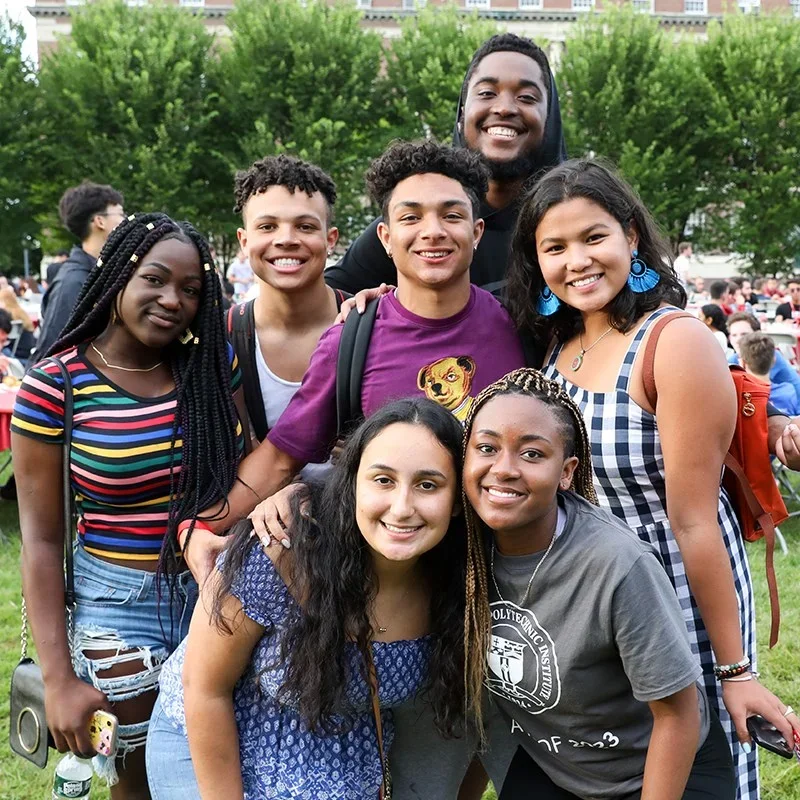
287	233
508	113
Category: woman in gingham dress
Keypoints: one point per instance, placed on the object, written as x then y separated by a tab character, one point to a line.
591	269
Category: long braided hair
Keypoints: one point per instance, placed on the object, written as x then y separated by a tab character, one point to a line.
205	416
477	622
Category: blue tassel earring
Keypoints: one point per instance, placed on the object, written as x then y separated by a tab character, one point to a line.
641	278
548	303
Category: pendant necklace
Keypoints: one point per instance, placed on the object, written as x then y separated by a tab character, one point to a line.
577	362
383	629
125	369
533	574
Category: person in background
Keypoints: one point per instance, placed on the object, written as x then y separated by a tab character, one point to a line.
53	267
228	291
699	295
770	289
27	341
241	275
508	112
757	354
782	372
684	263
721	294
790	310
714	317
89	212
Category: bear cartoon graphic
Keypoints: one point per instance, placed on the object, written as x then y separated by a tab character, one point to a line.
448	382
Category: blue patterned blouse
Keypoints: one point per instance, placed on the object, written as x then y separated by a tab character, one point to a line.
280	756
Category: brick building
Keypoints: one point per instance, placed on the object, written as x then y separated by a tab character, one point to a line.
548	20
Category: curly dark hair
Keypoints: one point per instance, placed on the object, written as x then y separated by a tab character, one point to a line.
596	181
285	171
333	570
404	159
80	203
205	416
507	43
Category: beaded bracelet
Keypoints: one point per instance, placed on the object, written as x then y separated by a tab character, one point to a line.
725	671
750	676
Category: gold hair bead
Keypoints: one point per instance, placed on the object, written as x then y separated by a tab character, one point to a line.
99	262
134	258
196	340
207	267
150	226
132	217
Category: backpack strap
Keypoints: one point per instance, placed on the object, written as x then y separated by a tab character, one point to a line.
242	335
649	356
353	349
764	520
532	350
340	296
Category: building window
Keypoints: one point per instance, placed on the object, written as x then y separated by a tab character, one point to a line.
645	6
363	3
582	5
795	5
479	3
135	3
528	4
193	3
695	6
750	6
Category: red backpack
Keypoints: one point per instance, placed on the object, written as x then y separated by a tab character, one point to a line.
748	476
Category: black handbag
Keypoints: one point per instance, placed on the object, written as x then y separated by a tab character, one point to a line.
28	734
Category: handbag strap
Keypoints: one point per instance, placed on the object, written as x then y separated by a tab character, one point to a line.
67	499
372	676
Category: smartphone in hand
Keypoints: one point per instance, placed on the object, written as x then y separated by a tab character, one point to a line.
103	733
766	735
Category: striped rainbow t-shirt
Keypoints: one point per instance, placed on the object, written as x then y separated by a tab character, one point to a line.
120	457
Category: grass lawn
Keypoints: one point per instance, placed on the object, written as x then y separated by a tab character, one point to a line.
779	668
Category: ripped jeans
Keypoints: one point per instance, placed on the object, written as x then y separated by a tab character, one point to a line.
119	609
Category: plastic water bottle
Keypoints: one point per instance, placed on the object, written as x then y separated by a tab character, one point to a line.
73	778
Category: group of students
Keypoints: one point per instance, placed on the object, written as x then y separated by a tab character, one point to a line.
514	567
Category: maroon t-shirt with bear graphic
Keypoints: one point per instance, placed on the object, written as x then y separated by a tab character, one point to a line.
448	360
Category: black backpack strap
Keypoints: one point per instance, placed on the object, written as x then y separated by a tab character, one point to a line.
242	335
353	349
340	296
532	350
496	288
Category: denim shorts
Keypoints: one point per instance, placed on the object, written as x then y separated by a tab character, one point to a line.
127	614
170	773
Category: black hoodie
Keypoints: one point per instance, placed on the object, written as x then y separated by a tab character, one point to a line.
365	264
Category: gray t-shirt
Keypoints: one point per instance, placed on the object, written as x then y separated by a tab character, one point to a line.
601	635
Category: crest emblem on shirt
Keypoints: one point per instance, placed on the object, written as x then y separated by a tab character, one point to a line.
523	667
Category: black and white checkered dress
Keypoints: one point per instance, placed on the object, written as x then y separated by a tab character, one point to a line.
629	479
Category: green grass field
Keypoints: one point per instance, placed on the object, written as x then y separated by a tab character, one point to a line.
779	668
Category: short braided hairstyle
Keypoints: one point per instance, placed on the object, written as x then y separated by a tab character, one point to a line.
205	416
285	171
477	622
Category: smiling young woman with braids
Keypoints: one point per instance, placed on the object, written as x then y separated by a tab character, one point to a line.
156	438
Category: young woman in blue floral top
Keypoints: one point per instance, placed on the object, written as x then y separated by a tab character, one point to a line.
269	696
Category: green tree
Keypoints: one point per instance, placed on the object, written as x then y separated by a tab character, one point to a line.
754	205
126	101
18	133
303	79
634	95
425	67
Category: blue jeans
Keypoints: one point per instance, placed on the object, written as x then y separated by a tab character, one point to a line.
170	773
127	612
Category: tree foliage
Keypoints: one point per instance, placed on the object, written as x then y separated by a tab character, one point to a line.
425	67
754	66
634	95
126	101
18	97
303	79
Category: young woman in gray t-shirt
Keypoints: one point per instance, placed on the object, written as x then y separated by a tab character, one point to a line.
589	664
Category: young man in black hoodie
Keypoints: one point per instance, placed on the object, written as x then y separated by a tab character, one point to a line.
508	111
